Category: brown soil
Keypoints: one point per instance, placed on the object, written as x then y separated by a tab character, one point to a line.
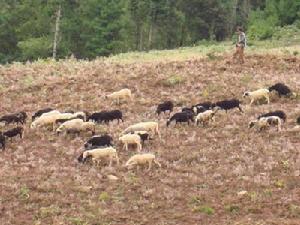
203	169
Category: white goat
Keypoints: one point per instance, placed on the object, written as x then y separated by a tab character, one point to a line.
76	125
142	159
144	126
131	139
122	94
258	94
102	153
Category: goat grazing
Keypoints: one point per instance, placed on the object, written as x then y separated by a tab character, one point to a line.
144	126
14	132
205	117
266	122
104	140
278	113
281	89
142	159
76	126
122	94
131	139
2	141
101	153
165	106
19	117
41	112
181	117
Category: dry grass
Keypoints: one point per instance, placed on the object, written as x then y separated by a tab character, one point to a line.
203	169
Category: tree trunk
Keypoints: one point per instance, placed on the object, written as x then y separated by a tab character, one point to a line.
234	17
56	32
150	35
141	40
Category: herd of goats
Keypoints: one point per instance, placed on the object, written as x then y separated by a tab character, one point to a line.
101	147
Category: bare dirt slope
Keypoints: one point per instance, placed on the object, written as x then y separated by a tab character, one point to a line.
203	169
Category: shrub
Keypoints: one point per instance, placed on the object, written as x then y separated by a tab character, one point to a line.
173	80
34	48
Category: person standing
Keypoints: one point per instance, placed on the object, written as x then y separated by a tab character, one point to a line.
240	46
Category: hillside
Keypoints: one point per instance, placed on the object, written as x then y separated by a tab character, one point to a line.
203	169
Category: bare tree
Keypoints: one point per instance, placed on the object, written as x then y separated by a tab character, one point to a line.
56	32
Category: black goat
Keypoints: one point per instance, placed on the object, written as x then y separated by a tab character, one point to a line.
98	117
228	104
114	115
40	112
2	141
281	89
14	132
206	105
278	113
165	106
19	117
23	116
181	117
104	140
106	116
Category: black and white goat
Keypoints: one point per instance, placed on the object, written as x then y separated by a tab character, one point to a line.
104	140
278	113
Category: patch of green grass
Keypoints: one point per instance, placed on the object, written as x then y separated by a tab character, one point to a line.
104	197
24	193
268	192
279	184
204	209
27	81
232	208
173	81
253	196
212	56
246	79
295	210
198	205
77	221
285	164
49	211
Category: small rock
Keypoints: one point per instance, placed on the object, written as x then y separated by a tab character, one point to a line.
241	193
112	177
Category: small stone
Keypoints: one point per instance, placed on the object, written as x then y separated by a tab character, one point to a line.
242	193
112	177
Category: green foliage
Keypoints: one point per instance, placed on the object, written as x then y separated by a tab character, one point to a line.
173	80
24	193
93	28
104	196
263	24
204	209
34	48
